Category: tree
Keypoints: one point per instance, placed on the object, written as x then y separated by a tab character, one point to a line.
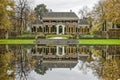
83	12
6	66
23	14
23	62
6	11
41	10
98	14
90	20
112	9
40	68
20	9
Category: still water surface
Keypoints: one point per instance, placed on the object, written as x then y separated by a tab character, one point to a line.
59	62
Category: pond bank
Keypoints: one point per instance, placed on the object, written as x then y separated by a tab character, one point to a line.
81	41
57	41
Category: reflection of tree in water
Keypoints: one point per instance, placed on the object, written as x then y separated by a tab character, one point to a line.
107	70
6	65
111	70
40	69
107	67
15	63
23	63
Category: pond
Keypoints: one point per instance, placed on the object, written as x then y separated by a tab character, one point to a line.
59	62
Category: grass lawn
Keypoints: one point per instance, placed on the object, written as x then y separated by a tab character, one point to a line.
81	41
17	41
100	41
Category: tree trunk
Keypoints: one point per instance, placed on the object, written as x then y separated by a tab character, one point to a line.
6	35
105	25
112	25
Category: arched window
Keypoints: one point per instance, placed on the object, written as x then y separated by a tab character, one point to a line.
76	29
72	29
40	29
60	29
53	28
46	28
65	29
69	29
34	29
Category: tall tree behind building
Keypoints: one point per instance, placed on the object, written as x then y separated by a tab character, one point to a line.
40	10
83	12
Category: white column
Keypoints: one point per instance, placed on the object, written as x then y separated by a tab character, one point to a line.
63	29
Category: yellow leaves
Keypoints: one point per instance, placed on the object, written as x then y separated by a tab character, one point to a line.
11	3
11	7
5	64
96	27
5	14
111	70
97	53
112	9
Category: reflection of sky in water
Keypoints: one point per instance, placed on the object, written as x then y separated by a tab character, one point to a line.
97	62
80	71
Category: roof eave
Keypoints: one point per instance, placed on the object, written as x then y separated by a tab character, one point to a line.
61	18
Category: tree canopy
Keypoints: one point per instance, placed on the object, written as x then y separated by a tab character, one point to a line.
24	15
112	10
6	10
40	10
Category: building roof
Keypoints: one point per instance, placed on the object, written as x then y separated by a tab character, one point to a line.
83	21
60	16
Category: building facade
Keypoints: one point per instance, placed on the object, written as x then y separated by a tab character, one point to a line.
60	23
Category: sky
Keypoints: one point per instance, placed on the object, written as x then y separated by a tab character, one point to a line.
66	5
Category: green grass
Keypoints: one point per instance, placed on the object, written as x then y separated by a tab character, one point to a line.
88	36
100	41
17	41
81	41
26	35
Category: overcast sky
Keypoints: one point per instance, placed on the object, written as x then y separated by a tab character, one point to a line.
66	5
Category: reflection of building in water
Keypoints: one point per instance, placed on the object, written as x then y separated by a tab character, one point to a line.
114	51
60	51
60	56
2	49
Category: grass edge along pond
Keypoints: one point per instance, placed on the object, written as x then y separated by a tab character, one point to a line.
81	41
17	41
100	41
